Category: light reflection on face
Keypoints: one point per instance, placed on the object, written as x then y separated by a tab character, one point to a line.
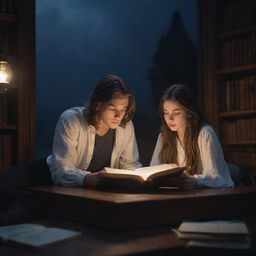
112	116
175	116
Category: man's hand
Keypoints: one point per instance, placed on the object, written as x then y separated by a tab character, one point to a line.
92	179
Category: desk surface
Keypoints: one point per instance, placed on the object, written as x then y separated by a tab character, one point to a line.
110	208
101	242
126	210
95	241
118	197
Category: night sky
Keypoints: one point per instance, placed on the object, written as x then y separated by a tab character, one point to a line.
79	41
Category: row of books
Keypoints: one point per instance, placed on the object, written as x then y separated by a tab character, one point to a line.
241	157
3	109
237	14
6	151
4	36
6	7
7	41
238	52
239	130
238	94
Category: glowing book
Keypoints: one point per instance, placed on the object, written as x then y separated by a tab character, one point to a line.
145	177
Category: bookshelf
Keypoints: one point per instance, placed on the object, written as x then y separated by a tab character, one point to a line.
238	113
17	42
228	74
7	18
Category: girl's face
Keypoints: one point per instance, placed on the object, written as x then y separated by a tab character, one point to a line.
112	116
175	116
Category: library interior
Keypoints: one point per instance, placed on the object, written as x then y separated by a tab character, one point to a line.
170	221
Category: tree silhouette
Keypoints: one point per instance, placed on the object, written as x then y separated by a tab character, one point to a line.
175	60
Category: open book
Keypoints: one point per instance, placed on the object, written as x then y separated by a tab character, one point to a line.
145	177
34	235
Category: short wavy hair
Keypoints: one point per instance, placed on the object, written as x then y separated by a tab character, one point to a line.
101	98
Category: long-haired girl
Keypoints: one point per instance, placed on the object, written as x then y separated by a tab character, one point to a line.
188	140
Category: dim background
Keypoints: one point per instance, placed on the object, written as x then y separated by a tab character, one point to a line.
151	44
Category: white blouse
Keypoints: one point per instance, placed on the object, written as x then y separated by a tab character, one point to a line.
212	168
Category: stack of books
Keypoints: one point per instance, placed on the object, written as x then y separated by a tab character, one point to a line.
215	234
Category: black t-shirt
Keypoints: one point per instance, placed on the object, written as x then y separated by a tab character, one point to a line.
102	152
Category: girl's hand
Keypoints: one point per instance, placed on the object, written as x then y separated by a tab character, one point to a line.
92	179
183	181
188	181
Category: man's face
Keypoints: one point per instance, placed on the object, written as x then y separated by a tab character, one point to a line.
112	116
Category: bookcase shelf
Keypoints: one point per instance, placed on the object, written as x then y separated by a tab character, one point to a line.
228	68
8	127
7	18
237	69
239	32
17	32
237	113
239	143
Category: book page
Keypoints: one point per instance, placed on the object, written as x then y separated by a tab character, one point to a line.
143	172
46	236
210	236
216	227
119	171
226	244
8	231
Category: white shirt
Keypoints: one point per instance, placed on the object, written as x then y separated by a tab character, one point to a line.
73	147
212	168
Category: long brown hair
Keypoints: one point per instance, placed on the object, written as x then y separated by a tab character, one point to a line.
168	153
101	97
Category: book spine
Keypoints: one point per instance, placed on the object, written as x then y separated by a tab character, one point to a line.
6	7
228	95
3	6
7	151
1	155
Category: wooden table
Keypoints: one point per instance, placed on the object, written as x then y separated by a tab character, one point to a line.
126	210
102	242
138	223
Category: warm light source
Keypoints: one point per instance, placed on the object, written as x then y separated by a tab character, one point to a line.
5	72
5	75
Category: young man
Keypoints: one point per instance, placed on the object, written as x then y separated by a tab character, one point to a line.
87	139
